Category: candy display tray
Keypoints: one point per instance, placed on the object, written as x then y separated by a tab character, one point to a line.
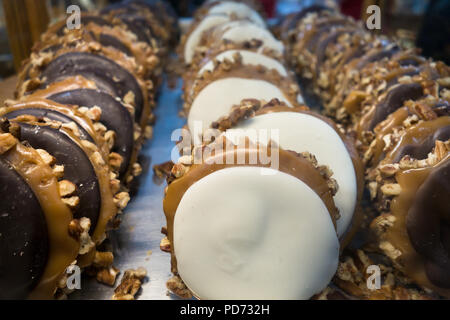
136	242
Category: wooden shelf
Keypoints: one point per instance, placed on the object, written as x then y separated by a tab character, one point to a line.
7	88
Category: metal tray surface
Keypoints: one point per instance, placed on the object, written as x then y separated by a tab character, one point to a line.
136	243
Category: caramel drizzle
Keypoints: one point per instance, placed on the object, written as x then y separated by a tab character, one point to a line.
86	44
410	261
63	248
80	119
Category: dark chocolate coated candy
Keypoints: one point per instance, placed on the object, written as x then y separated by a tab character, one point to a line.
421	150
324	27
325	42
77	167
140	27
132	18
52	115
392	82
385	52
24	243
394	100
442	109
108	75
110	41
294	21
427	224
114	116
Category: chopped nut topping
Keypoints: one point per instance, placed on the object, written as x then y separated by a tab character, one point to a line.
177	286
71	126
103	259
107	275
93	113
115	160
98	159
148	133
89	145
137	169
178	170
46	157
390	250
373	188
110	137
391	189
130	284
121	200
75	229
164	245
7	141
58	170
440	150
86	243
129	98
72	202
388	170
100	128
66	188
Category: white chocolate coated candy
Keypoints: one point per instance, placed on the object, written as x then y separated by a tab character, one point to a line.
248	58
242	235
239	11
218	97
194	38
243	31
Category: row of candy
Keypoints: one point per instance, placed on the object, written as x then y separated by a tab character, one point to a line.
265	192
396	103
70	142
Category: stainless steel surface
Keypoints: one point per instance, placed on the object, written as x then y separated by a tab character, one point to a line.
136	243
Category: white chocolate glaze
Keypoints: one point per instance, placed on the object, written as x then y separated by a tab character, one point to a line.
242	235
303	132
238	10
218	97
194	38
248	58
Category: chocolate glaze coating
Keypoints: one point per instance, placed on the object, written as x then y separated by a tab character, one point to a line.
330	38
421	151
394	80
77	166
140	27
114	116
394	100
295	20
24	245
428	224
133	20
324	27
107	40
51	114
108	75
386	52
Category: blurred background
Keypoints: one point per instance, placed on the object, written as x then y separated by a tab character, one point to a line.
424	23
